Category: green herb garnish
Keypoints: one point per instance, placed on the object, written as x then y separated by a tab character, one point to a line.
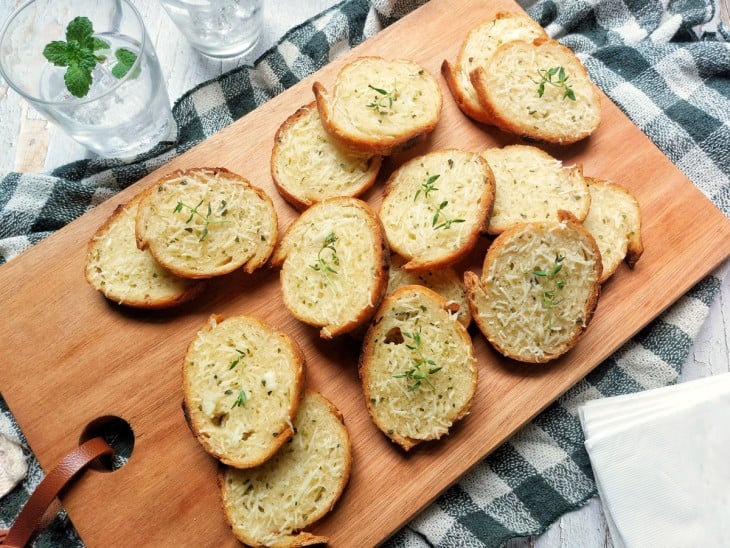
327	256
236	361
79	55
560	81
427	187
439	220
445	221
382	102
207	218
552	285
240	400
415	373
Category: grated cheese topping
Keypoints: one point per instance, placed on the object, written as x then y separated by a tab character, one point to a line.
511	298
270	503
235	356
428	411
412	98
312	167
416	221
532	186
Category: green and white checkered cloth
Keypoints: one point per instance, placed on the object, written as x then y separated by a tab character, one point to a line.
645	55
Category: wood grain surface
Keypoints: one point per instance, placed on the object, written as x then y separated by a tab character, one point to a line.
74	357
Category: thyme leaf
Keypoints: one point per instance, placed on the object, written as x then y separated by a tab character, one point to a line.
240	400
327	257
557	77
383	101
207	218
416	374
440	216
427	187
551	285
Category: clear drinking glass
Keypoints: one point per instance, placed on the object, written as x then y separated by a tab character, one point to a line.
121	114
218	28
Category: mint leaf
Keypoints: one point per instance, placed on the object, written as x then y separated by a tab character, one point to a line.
77	53
56	52
98	43
125	60
78	80
82	57
81	30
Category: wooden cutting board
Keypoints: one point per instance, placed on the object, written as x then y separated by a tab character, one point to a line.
70	357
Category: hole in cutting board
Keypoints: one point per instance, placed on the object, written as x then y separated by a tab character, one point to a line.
116	432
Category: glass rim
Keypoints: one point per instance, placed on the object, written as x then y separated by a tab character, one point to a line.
79	101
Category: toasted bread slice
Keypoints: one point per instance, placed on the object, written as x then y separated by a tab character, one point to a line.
533	186
271	504
205	222
334	265
128	276
614	220
444	281
307	165
380	106
417	367
435	206
243	381
538	290
539	90
476	51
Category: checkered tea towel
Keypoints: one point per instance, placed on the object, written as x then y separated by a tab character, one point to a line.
673	82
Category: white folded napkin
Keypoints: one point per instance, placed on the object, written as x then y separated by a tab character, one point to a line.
661	459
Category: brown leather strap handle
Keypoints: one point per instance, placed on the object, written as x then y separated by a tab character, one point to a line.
30	516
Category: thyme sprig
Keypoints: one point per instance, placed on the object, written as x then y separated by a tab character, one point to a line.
383	101
552	286
240	400
439	219
415	373
555	76
427	187
327	256
445	221
236	361
207	217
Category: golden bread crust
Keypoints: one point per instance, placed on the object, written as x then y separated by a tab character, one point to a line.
308	165
206	222
334	265
417	367
538	289
127	275
379	106
243	382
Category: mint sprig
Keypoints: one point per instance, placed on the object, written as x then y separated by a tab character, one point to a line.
79	54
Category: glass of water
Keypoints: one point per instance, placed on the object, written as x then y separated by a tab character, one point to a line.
89	66
218	28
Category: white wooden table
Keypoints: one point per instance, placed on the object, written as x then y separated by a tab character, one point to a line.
29	143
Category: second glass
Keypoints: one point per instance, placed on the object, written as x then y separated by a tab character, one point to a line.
218	28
